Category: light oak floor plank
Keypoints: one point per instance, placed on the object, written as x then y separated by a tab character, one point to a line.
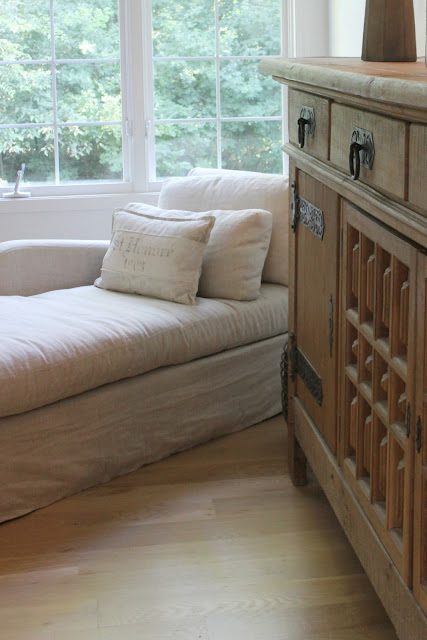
214	543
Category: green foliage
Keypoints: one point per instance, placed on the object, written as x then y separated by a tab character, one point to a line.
183	28
90	92
187	89
85	92
249	27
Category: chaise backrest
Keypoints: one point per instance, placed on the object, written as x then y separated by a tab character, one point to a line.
208	189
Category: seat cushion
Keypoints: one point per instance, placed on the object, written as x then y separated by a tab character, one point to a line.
61	343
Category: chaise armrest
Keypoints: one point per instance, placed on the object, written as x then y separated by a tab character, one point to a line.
29	267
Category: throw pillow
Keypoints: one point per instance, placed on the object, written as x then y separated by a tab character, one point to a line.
156	257
235	255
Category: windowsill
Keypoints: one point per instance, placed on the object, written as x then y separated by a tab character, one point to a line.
67	203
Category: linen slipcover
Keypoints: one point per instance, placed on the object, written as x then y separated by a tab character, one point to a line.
62	343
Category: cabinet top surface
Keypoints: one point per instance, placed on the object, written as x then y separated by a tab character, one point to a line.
398	83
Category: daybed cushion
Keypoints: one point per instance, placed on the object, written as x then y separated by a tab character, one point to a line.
64	342
156	256
238	191
235	254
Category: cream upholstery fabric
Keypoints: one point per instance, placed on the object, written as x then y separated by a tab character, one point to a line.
234	257
238	190
156	256
62	343
78	442
29	267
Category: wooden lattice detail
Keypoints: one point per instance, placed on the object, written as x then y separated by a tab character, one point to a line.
377	295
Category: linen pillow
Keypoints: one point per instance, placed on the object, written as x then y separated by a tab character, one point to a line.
156	257
236	251
200	191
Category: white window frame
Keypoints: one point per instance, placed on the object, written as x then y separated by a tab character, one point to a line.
138	108
89	186
217	58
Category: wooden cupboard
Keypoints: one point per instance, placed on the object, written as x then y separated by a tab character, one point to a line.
420	490
358	279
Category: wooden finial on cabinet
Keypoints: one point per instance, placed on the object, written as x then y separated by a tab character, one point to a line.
389	31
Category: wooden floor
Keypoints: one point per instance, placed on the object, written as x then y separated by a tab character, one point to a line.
211	544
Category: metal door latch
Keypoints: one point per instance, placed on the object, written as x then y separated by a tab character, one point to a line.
304	212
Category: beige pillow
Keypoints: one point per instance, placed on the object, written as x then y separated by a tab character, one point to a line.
156	257
236	251
238	190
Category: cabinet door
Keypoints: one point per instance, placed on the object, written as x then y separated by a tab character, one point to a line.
314	304
378	385
420	493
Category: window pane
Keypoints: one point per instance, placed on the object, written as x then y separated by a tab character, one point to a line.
90	153
34	147
179	148
88	92
249	27
24	30
184	90
252	146
26	94
86	29
183	28
247	93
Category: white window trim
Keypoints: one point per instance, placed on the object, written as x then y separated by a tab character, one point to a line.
84	187
137	100
217	119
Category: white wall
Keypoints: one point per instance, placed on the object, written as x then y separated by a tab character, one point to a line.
346	27
311	31
85	217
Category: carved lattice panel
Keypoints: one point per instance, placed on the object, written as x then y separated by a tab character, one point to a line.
376	452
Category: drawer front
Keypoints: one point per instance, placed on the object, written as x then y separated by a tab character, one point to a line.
388	168
315	142
418	166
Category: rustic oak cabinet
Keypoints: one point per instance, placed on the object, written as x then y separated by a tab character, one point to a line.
420	506
358	301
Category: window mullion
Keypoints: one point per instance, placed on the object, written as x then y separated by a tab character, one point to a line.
218	88
125	86
140	92
54	97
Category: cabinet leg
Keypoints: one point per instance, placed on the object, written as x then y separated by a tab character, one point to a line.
297	462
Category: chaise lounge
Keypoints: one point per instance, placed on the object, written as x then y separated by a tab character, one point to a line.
97	381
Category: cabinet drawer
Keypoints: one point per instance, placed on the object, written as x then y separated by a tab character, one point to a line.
388	169
316	140
418	166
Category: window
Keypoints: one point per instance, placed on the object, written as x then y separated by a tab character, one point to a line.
91	106
61	110
211	106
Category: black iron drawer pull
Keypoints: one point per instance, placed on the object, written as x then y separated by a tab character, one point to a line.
302	122
306	125
354	159
362	151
